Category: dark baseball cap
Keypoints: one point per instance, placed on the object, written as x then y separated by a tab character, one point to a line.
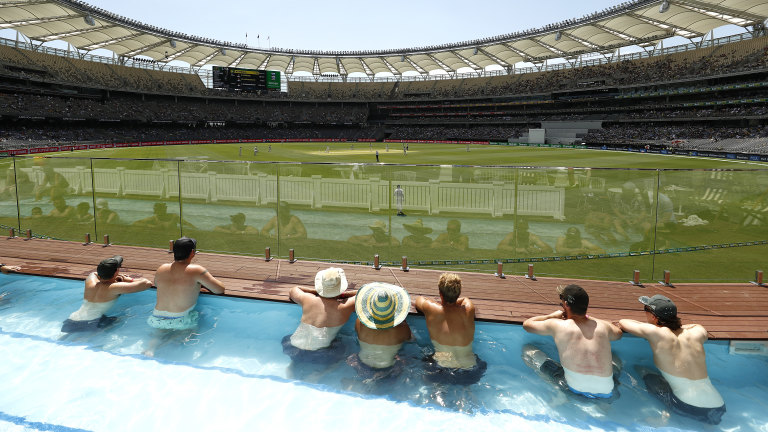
574	295
183	247
107	267
660	306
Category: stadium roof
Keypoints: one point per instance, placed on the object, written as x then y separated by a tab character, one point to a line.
639	22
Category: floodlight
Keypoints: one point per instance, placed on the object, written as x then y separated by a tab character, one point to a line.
475	53
89	20
664	6
173	43
558	35
223	52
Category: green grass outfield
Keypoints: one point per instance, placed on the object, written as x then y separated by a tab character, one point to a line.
731	202
430	154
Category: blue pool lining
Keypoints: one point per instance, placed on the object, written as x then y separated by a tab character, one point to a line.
609	425
22	421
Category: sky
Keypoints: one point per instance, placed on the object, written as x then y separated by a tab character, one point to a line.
332	25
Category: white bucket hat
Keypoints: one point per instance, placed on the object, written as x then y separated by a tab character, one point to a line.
330	282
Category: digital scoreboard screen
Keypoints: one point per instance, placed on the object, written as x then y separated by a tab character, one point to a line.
245	79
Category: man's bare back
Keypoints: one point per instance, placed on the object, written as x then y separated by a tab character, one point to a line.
178	284
677	352
449	324
584	345
320	311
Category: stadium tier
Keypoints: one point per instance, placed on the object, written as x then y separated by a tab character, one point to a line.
712	98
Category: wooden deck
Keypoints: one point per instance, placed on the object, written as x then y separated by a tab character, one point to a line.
728	311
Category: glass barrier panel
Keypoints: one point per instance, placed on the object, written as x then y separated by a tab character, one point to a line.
59	203
137	201
9	211
598	233
712	223
225	205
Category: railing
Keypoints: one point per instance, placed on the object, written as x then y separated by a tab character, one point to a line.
702	225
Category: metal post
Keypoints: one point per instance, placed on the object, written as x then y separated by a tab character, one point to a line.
499	270
376	265
267	254
636	278
106	240
291	259
530	274
666	282
87	239
404	266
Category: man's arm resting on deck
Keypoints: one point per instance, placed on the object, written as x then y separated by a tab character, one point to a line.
210	283
543	324
135	285
421	303
637	328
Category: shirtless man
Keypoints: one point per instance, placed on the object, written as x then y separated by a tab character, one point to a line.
324	310
285	224
678	352
178	287
381	328
102	288
451	325
584	345
572	244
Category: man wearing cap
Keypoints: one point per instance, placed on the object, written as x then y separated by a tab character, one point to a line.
102	288
583	343
381	328
678	352
572	244
451	326
178	287
324	310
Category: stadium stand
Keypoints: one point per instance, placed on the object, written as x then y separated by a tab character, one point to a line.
711	98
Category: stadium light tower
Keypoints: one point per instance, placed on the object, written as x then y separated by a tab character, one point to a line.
89	20
664	6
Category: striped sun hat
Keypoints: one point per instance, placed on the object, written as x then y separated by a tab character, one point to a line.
381	305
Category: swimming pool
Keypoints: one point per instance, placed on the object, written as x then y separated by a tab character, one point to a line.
231	374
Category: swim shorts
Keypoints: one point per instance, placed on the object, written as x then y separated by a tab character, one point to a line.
556	373
183	322
72	326
375	374
330	354
438	374
660	388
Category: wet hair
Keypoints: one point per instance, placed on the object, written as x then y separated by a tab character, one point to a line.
672	323
450	287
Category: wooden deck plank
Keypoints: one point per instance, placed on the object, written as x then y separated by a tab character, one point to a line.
728	311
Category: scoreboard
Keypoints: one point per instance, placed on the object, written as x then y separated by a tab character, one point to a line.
245	79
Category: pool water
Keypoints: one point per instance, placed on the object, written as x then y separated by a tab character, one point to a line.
231	374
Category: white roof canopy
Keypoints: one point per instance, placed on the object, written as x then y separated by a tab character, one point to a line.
637	22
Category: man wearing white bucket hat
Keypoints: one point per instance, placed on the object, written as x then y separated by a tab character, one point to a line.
324	310
381	328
